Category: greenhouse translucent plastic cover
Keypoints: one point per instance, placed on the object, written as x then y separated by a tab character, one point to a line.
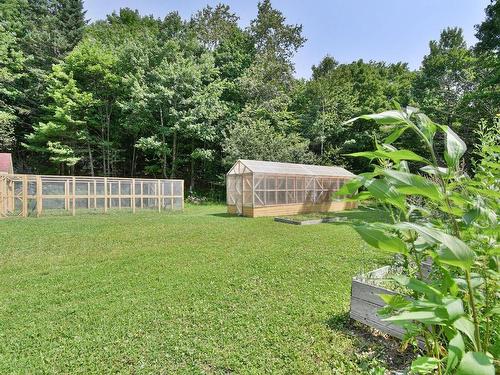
253	183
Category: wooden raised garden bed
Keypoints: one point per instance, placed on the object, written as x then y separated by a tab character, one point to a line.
365	299
365	302
308	222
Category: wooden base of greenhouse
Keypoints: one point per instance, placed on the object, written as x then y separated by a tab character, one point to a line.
292	209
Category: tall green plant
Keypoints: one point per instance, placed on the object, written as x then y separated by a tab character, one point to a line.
438	212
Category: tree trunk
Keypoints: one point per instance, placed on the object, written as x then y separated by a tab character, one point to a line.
191	183
174	153
132	167
164	158
103	150
164	149
108	150
91	159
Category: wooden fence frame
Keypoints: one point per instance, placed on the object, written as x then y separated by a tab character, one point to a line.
18	191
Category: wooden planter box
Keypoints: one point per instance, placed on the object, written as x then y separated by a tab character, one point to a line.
365	300
309	222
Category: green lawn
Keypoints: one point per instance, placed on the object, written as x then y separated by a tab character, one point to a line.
191	292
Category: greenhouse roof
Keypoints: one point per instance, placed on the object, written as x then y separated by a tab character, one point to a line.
271	167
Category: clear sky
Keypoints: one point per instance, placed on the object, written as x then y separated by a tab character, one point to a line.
388	30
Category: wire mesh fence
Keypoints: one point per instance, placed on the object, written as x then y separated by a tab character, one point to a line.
36	195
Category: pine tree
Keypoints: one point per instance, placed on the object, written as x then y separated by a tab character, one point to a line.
70	23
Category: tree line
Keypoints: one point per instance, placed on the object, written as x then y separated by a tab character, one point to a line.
136	95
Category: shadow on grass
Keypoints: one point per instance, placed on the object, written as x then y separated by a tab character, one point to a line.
362	214
367	214
372	349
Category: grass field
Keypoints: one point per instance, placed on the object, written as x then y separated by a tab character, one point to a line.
191	292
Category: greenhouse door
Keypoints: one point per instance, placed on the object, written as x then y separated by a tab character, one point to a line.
238	196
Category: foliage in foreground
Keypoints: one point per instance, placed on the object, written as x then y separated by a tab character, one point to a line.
444	214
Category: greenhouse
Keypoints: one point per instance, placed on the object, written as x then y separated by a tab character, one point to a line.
263	188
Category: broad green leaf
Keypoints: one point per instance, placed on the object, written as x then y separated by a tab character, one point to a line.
424	365
426	126
429	169
455	147
452	250
429	316
448	283
495	310
381	240
362	196
384	118
418	286
455	211
465	326
350	187
476	363
412	184
454	307
458	199
386	193
394	136
399	155
365	154
456	349
476	281
481	211
396	301
409	110
486	193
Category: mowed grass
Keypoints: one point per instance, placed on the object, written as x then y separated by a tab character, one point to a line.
191	292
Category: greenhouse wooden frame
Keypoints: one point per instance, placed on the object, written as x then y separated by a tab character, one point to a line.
262	188
35	195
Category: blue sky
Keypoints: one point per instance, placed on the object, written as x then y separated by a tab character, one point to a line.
388	30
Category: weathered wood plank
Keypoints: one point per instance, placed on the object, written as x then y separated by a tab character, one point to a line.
369	293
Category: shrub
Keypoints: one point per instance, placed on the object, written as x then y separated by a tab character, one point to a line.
441	213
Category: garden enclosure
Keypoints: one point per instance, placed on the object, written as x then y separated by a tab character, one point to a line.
35	195
264	188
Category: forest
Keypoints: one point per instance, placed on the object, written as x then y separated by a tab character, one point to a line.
134	95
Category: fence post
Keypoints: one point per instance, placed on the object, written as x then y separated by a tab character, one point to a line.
88	195
142	194
159	196
11	199
66	194
133	196
182	194
172	183
95	194
25	196
39	198
73	212
105	194
119	194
